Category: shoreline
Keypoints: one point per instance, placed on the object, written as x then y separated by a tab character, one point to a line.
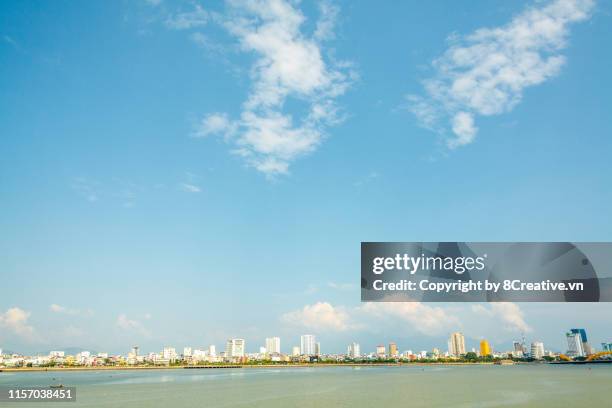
235	366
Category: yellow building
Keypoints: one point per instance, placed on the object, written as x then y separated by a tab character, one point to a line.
485	348
393	350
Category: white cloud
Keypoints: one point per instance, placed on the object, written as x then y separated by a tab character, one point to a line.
55	308
289	64
215	123
422	318
510	314
132	325
190	185
341	286
189	19
190	188
486	72
320	316
15	320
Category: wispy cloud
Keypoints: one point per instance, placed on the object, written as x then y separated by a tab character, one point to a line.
55	308
486	72
509	314
186	20
86	188
132	325
190	185
290	64
341	286
15	320
371	176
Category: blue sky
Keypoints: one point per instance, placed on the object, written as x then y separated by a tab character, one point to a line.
181	173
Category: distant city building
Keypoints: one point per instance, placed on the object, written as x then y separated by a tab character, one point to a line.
317	349
393	350
307	345
354	350
574	345
273	345
187	352
485	348
518	349
456	344
586	347
135	351
380	351
56	354
212	350
295	351
537	350
169	353
234	348
604	347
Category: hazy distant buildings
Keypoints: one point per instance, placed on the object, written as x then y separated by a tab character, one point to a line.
456	344
234	348
308	345
273	345
393	350
537	350
295	351
574	345
354	350
169	353
604	347
586	347
380	351
485	348
317	349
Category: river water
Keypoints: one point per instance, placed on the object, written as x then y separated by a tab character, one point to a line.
406	386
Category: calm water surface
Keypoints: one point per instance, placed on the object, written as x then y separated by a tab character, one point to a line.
446	386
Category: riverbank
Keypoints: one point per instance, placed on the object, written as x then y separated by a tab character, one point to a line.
229	366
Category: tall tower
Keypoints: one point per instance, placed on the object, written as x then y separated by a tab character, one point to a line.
456	344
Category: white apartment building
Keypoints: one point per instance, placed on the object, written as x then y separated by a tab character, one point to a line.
354	350
537	350
308	345
234	348
456	344
273	345
169	353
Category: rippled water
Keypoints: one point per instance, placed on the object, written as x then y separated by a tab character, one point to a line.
407	386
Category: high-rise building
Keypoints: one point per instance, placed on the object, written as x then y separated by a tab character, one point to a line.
212	350
234	348
456	344
273	345
586	347
537	350
393	350
604	347
187	352
574	345
354	350
485	348
295	351
317	348
307	345
380	351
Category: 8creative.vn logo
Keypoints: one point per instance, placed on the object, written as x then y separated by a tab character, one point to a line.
412	264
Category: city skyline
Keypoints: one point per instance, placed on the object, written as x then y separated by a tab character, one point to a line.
185	173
